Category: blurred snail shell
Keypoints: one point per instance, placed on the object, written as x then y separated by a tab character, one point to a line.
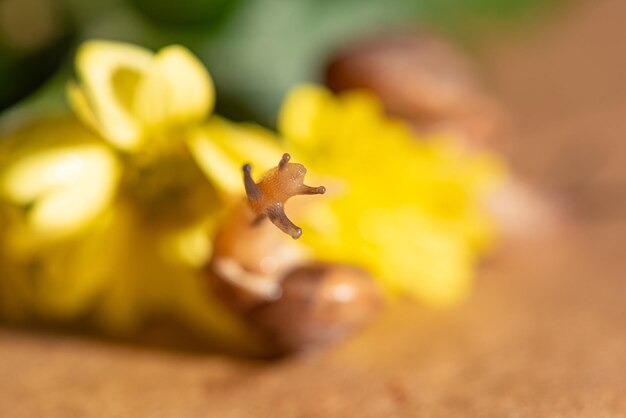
424	79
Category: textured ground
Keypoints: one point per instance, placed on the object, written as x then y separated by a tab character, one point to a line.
544	334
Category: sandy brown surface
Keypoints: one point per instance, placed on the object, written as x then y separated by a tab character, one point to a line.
543	335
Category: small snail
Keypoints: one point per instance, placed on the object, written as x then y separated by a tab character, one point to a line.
265	277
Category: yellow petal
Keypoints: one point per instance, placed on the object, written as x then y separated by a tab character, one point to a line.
220	149
109	73
299	114
71	273
191	246
81	106
66	188
178	90
216	165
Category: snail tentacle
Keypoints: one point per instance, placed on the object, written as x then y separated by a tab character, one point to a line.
277	216
252	190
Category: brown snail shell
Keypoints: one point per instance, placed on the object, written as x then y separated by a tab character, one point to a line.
317	304
320	304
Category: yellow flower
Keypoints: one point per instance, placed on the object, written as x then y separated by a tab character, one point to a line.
408	209
141	106
141	102
112	218
127	93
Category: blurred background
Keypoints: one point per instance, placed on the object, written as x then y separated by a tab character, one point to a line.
255	49
542	333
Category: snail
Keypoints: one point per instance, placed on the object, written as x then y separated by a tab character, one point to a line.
265	277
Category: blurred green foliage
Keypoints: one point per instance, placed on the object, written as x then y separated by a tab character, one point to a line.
186	13
254	49
35	36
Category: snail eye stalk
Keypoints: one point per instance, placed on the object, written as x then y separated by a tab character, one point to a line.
267	197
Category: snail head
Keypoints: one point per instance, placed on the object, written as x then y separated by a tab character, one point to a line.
267	197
